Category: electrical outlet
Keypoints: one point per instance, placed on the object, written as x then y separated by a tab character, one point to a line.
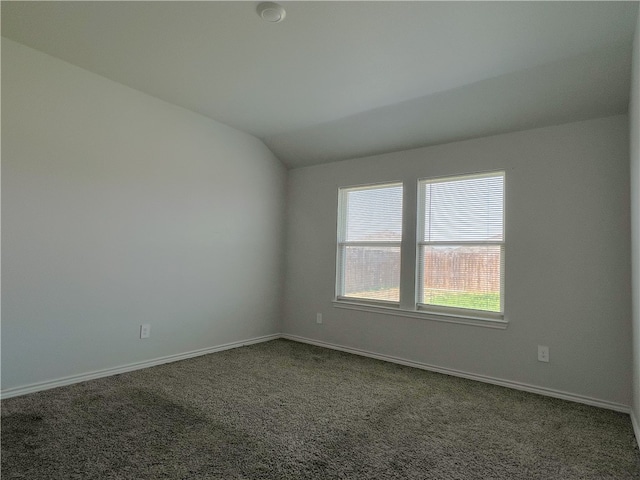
145	330
318	318
543	353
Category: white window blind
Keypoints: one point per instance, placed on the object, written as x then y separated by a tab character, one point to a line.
369	238
461	243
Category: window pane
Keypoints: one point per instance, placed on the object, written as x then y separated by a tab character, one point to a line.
461	276
374	214
372	273
464	209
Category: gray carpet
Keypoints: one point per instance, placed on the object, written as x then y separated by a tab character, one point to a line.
284	410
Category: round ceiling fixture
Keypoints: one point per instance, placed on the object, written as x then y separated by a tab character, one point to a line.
271	12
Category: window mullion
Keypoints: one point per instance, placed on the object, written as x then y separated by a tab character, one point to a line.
408	249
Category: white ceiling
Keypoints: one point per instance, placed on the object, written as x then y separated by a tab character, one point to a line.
337	80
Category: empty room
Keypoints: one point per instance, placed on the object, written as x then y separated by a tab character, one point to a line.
320	240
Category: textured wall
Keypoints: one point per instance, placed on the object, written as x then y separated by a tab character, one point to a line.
634	121
120	209
567	259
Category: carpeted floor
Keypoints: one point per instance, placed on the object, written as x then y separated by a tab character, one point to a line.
284	410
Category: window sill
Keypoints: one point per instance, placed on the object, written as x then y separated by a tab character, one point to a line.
500	324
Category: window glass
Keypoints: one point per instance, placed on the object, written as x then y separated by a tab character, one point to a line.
461	252
369	236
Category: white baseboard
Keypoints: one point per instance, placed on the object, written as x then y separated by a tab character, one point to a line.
636	426
83	377
60	382
618	407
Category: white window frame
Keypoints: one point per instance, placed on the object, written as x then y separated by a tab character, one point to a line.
420	214
342	245
409	305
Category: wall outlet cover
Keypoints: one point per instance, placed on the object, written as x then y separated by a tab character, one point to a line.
145	330
543	353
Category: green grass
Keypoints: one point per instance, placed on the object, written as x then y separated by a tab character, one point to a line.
388	294
489	302
477	301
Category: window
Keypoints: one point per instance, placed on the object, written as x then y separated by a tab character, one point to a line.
369	240
461	243
453	264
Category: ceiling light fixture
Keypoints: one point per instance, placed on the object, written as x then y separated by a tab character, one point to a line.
271	12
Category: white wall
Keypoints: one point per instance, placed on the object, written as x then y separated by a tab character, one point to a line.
120	209
634	121
567	260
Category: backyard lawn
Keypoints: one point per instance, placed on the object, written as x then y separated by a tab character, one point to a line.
476	301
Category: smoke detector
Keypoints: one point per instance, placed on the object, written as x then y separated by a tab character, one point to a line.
271	12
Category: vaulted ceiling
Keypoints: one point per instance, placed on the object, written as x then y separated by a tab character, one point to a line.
337	80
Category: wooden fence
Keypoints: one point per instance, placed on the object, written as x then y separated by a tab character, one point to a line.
464	269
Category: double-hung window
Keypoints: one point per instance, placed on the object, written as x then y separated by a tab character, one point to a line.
459	248
369	240
460	258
